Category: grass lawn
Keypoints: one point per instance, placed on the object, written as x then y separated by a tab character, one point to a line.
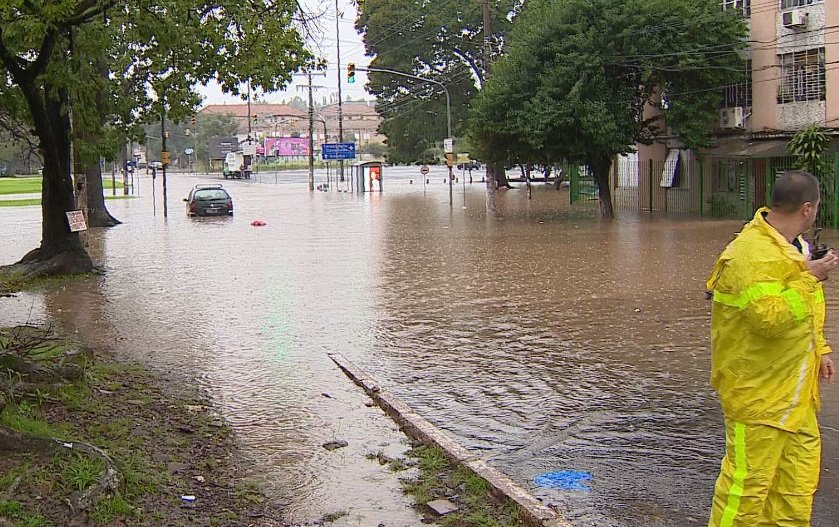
32	185
37	201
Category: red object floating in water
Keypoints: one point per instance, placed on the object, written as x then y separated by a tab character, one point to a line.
258	223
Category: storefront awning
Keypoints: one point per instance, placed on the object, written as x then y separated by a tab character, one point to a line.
748	149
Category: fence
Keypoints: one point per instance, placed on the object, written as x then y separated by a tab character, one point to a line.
726	188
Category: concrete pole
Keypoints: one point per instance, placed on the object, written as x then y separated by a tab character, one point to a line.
340	97
311	138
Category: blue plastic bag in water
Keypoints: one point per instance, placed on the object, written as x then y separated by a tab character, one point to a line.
564	480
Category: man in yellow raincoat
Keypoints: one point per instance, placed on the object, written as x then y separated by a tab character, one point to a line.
768	352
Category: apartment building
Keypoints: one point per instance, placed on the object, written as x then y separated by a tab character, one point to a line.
792	81
794	63
361	121
263	120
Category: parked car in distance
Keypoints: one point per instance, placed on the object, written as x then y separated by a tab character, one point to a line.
209	200
469	165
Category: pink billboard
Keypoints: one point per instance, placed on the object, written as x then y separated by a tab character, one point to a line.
286	146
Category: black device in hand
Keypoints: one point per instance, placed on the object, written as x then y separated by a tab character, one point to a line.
818	250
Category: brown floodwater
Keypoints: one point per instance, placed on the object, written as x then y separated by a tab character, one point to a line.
541	339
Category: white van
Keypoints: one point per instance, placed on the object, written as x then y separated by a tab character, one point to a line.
234	166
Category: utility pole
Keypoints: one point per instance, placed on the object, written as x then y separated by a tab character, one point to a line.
310	88
340	97
490	167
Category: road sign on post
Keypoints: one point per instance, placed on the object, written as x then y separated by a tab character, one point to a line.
449	145
424	170
337	151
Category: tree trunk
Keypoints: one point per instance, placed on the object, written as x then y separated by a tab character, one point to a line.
501	177
61	251
602	168
492	187
97	212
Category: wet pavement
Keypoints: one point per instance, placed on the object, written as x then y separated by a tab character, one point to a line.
541	339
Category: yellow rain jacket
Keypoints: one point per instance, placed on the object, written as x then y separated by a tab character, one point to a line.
766	329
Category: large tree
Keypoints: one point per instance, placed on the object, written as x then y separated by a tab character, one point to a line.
111	64
438	40
578	76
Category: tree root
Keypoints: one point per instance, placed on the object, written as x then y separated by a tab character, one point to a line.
108	481
38	373
35	264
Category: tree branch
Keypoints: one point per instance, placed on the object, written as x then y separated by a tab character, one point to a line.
471	62
85	11
11	62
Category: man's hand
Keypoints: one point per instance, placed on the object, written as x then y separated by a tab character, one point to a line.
821	268
827	369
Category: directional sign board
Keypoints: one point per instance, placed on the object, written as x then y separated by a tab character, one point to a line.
335	151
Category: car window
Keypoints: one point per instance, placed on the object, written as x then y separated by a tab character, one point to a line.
210	194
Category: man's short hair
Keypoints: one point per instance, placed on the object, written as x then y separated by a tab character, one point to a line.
793	189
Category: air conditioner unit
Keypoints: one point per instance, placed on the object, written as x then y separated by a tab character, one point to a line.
796	18
732	118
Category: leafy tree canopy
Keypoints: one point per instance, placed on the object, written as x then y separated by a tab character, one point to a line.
440	40
578	74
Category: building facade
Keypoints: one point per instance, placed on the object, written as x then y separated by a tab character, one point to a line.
360	122
791	82
794	66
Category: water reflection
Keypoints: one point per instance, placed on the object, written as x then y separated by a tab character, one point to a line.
541	338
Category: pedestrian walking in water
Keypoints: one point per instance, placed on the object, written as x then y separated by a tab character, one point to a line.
768	353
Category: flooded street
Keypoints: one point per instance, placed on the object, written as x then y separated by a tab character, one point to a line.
542	339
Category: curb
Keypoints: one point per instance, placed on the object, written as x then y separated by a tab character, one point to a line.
419	428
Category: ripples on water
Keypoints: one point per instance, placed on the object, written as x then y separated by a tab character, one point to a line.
542	338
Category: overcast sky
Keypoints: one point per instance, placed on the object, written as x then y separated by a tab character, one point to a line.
324	45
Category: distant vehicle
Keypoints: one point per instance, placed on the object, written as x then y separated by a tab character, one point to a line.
209	200
155	164
469	165
234	166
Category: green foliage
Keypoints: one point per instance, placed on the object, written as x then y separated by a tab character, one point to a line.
23	420
374	149
186	135
578	74
440	41
431	458
438	478
80	472
109	509
14	510
809	148
32	185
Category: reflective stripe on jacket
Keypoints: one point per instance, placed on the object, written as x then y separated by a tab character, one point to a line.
766	329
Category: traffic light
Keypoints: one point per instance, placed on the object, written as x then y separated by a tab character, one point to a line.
351	73
255	118
194	120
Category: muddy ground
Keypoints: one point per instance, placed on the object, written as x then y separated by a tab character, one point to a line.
163	437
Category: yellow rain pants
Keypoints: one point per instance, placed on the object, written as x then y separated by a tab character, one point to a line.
768	476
